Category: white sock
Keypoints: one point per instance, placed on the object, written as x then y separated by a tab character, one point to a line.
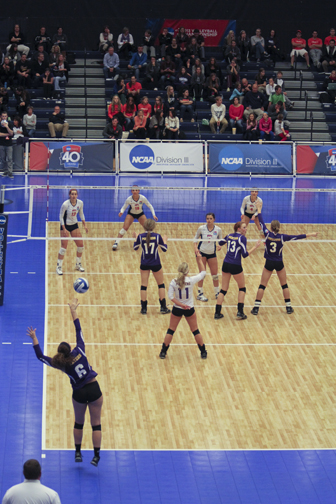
216	289
59	262
117	241
78	260
200	291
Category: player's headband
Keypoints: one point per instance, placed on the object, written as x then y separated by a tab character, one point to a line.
64	344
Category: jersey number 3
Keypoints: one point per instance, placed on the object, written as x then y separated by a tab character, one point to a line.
273	247
80	370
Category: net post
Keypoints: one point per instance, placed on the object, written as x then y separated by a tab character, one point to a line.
205	144
294	158
27	156
2	198
30	214
116	156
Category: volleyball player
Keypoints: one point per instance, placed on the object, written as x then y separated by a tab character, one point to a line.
69	224
248	209
236	249
273	254
86	390
150	261
135	211
208	251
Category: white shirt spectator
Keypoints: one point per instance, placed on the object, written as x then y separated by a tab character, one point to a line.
218	113
31	492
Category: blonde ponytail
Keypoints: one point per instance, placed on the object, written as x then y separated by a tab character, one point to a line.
182	272
149	226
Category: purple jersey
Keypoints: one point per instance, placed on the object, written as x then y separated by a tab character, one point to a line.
275	242
150	254
80	371
236	248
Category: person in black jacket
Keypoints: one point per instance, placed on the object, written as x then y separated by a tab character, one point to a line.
23	72
243	43
113	130
43	39
17	37
272	46
329	57
254	101
165	40
22	100
7	72
57	122
38	68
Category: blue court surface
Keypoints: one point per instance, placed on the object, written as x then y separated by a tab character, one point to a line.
146	477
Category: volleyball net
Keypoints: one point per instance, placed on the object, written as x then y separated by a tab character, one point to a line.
180	210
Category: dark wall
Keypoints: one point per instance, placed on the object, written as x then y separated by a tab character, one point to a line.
82	20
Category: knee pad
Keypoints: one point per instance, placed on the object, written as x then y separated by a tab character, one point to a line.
96	427
78	426
215	277
196	332
161	286
263	287
285	286
170	332
143	287
223	292
80	250
122	231
62	251
242	289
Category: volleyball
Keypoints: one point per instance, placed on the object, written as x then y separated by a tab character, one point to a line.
81	285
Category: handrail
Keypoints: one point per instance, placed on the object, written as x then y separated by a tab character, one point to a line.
301	81
295	62
306	104
311	125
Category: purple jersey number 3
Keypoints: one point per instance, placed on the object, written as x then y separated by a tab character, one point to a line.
186	291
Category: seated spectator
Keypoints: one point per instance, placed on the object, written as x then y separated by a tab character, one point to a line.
331	36
183	79
158	105
254	101
151	81
29	121
218	111
233	76
172	126
3	100
170	101
331	80
19	130
245	86
156	125
193	50
138	61
105	40
251	132
113	130
315	49
260	79
53	56
228	39
186	105
237	92
125	43
57	123
17	37
13	54
148	44
232	51
165	39
60	39
48	83
139	127
188	66
23	72
258	45
213	67
236	112
212	88
280	82
174	51
22	100
146	107
265	127
38	69
275	110
198	64
7	72
329	57
270	87
272	47
43	39
298	45
61	72
129	111
167	71
40	50
115	109
182	38
120	90
200	41
243	43
281	135
197	84
111	64
133	88
276	97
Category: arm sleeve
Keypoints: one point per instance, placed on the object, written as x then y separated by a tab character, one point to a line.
261	201
125	205
62	212
286	237
145	200
163	245
171	292
80	212
79	335
198	234
197	278
136	244
223	241
43	358
242	208
263	225
243	242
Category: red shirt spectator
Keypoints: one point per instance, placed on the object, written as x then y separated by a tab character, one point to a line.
265	123
114	108
146	107
133	88
315	41
331	36
236	113
298	42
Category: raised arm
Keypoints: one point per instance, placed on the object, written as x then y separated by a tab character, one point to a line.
38	352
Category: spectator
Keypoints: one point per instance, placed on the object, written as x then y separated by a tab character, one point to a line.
174	51
48	83
6	147
148	44
129	111
272	47
245	86
236	112
233	76
138	61
281	135
280	82
182	38
254	102
53	56
193	50
105	40
7	72
270	87
278	96
19	130
13	54
167	71
298	45
172	125
156	125
43	39
3	100
29	121
57	123
329	57
186	105
133	88
40	50
60	39
38	69
151	81
232	51
218	111
331	80
332	36
258	45
182	79
243	43
170	100
115	108
158	105
111	64
146	107
228	39
315	49
125	43
212	88
61	72
31	490
22	100
23	72
165	40
265	127
120	90
213	67
113	130
237	92
200	41
198	64
251	132
275	110
139	127
260	79
197	84
17	37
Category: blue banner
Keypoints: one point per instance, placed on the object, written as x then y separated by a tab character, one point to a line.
3	246
250	158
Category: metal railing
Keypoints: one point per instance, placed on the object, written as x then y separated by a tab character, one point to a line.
306	104
311	125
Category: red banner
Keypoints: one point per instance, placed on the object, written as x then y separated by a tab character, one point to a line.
212	30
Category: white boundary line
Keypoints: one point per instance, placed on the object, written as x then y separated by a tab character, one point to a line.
44	386
282	307
175	273
196	449
208	344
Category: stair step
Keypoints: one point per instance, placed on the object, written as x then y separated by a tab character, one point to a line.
305	125
295	94
305	137
92	133
96	112
312	105
95	91
96	123
70	100
77	122
295	84
299	115
290	74
77	133
72	91
97	102
75	111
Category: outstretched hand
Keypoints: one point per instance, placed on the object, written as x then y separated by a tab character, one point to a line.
155	218
31	332
135	236
74	304
259	206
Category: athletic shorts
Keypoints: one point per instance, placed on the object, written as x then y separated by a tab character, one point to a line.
274	265
208	256
70	228
135	216
179	312
249	215
87	394
154	268
234	269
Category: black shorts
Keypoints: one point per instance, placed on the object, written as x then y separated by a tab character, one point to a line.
87	394
274	265
135	216
208	256
179	312
249	215
154	268
70	228
234	269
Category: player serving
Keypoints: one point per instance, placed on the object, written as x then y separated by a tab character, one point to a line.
150	244
207	248
135	211
69	225
248	209
273	254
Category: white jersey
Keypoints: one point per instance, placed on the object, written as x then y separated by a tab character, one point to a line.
185	295
68	213
203	233
136	206
250	206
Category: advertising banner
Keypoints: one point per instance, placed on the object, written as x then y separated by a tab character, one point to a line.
316	159
246	158
79	156
3	246
161	157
